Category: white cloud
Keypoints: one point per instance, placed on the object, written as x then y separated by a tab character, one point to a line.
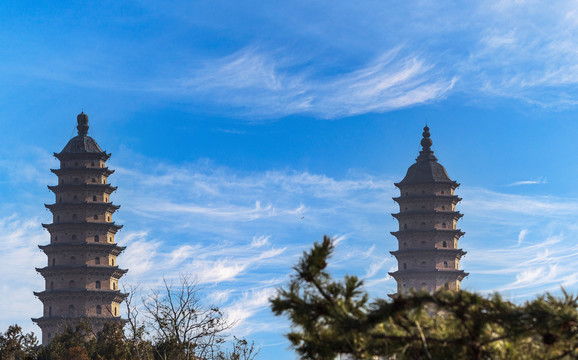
249	304
522	236
529	182
525	51
263	85
20	237
259	241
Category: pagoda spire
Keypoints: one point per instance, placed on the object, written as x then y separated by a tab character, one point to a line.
426	153
426	142
82	126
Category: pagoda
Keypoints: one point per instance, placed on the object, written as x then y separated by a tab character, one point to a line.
81	276
428	255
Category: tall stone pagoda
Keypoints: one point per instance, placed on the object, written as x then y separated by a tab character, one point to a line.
81	275
428	255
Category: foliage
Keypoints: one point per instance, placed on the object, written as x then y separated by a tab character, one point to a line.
15	345
176	326
332	318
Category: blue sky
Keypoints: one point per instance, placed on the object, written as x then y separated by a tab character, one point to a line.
242	131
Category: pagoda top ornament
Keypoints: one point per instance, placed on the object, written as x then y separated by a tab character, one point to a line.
426	170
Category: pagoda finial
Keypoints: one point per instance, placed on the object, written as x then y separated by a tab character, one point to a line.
82	127
426	142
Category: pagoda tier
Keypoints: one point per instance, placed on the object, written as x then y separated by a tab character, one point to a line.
428	254
82	275
109	295
428	280
86	170
85	205
103	248
428	214
452	233
453	253
411	198
57	270
83	225
82	187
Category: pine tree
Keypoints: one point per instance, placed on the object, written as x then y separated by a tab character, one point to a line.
331	318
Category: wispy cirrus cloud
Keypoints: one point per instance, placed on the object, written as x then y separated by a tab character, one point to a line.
264	85
20	237
536	247
529	182
526	51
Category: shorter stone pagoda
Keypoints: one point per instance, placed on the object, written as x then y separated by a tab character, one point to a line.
428	256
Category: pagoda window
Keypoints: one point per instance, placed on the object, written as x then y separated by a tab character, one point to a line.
442	192
405	226
60	199
50	313
95	217
114	286
98	310
443	207
72	260
58	218
97	260
445	264
447	286
92	164
73	237
71	284
109	218
115	312
71	309
56	238
94	198
444	225
445	244
52	286
53	262
405	266
93	180
96	238
97	284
